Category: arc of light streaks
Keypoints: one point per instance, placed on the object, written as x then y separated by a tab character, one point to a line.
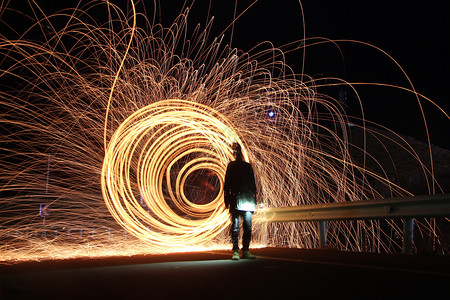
151	143
111	93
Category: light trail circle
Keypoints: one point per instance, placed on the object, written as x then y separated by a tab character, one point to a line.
147	163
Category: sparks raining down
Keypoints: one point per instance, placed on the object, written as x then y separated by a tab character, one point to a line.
109	125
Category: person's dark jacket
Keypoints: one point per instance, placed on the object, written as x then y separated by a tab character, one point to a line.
240	186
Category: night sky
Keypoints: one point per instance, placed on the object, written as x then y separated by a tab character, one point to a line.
415	33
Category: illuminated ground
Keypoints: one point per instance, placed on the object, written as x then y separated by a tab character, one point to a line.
294	273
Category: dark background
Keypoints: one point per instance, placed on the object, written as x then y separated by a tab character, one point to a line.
415	33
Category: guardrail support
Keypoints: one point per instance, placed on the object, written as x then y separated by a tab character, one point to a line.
408	236
322	234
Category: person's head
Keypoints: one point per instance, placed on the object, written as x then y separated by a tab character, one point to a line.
237	151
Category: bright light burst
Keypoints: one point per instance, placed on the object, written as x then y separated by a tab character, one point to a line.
116	114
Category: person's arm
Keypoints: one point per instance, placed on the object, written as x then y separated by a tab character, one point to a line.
253	182
226	188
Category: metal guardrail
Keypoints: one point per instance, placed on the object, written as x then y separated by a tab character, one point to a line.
407	208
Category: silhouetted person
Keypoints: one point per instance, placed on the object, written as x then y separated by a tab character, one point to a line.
240	199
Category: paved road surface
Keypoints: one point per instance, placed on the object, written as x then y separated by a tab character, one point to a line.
276	274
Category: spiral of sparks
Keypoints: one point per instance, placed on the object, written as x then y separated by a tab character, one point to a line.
125	115
151	143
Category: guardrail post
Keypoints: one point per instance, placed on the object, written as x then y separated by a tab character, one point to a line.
322	234
408	236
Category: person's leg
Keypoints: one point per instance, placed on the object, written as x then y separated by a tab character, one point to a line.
247	226
234	231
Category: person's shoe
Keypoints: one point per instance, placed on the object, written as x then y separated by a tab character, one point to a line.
235	255
248	255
